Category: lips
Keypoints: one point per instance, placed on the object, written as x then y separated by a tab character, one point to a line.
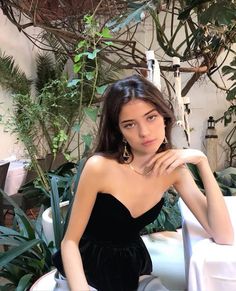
148	142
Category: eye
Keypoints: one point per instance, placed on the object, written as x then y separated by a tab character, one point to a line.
129	125
152	117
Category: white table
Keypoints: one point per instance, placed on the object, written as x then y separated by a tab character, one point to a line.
209	266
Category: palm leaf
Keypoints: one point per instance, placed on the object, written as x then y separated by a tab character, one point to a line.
46	70
59	52
12	78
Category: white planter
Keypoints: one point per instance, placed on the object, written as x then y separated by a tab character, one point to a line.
47	221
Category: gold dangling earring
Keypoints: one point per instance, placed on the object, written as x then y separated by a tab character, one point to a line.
126	154
165	141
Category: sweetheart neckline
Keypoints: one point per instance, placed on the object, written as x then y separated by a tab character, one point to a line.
127	209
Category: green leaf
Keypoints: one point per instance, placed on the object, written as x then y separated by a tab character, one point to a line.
9	241
81	44
88	19
100	90
106	33
14	204
76	127
78	57
73	82
8	231
25	226
90	75
231	94
6	287
192	4
93	54
87	139
24	282
196	175
228	70
91	112
218	14
13	253
12	77
77	67
108	43
56	215
132	15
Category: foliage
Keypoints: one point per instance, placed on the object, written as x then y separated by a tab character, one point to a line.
196	31
35	189
53	120
230	113
169	217
231	93
70	185
226	179
49	67
12	77
27	257
28	254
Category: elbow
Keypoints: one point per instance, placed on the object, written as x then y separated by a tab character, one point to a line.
68	244
227	239
229	242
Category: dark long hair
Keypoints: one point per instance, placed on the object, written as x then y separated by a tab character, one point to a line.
109	139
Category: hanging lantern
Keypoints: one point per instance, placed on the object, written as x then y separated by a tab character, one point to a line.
211	143
211	122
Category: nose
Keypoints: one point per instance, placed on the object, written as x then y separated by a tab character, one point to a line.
143	130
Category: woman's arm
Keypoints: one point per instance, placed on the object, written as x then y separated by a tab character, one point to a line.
210	209
81	210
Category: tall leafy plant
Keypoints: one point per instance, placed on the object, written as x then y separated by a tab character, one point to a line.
27	256
87	66
54	121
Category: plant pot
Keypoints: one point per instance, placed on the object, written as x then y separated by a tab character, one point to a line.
47	221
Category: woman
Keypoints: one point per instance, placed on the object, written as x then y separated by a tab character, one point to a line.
121	190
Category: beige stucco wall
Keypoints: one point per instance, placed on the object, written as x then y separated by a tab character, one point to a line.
17	45
205	99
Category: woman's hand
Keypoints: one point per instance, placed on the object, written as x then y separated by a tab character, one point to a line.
165	162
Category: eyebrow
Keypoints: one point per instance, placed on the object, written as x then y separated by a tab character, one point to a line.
129	120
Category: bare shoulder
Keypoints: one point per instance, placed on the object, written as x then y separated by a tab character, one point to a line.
98	164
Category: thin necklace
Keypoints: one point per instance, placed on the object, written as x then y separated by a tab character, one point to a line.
142	174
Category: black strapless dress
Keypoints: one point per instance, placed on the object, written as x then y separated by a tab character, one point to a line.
113	253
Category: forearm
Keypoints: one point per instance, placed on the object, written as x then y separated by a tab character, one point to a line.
73	266
219	222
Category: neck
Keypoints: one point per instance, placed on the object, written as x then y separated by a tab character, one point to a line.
139	162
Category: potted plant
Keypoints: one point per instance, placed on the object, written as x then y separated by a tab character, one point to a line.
26	256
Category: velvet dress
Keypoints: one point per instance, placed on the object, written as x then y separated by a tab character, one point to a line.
113	253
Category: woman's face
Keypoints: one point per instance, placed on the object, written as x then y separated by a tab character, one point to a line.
142	126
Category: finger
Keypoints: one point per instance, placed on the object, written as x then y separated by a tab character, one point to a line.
155	158
173	166
156	161
162	163
166	163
